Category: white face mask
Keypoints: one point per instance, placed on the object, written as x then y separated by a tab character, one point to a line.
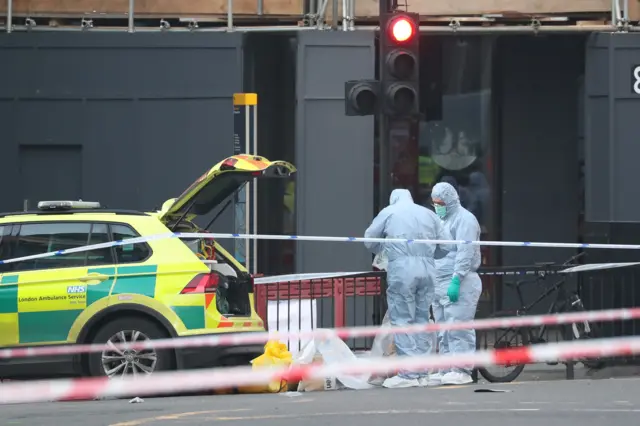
441	211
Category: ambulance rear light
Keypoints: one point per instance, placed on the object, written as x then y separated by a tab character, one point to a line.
68	205
229	164
202	283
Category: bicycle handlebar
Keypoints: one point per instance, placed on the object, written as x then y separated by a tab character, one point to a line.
572	258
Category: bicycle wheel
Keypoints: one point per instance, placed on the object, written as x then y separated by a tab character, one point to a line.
503	339
582	331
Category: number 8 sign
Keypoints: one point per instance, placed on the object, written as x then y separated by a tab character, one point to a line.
636	79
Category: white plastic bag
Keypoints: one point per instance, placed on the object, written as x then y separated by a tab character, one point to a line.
383	343
380	261
335	351
305	356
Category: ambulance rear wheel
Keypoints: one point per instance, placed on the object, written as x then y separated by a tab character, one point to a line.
115	362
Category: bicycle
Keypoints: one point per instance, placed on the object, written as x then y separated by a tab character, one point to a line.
562	303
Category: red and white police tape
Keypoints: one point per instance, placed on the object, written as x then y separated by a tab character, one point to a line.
209	379
343	333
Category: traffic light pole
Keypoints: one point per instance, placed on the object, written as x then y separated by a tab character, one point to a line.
384	7
384	162
395	94
384	157
399	51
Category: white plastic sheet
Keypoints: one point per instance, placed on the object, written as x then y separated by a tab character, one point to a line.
293	316
333	351
383	343
380	261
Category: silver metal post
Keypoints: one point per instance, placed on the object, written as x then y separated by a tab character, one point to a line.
131	13
255	191
625	11
352	15
230	15
334	14
260	7
313	10
322	10
247	188
9	15
345	14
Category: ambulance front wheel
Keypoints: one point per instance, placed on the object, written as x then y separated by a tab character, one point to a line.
116	362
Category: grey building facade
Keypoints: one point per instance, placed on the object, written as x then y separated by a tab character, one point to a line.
539	131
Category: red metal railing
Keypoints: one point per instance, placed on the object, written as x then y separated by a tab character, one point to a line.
335	302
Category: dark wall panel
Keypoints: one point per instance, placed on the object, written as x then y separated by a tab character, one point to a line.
270	64
612	109
61	167
151	112
540	86
334	153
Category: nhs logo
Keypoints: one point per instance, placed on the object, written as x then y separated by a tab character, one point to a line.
73	289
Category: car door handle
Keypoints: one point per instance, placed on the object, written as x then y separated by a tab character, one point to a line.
94	277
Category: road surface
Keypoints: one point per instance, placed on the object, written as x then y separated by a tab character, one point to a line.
612	402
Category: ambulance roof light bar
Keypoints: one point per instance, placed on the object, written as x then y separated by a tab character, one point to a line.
68	205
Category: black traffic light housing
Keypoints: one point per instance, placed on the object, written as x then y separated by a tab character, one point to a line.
399	64
361	97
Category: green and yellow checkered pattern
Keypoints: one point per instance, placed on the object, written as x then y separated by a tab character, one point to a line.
49	306
34	309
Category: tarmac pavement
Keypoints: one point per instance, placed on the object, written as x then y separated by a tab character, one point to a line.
544	372
614	402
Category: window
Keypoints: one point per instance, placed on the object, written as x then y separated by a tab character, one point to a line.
458	144
38	238
4	242
129	253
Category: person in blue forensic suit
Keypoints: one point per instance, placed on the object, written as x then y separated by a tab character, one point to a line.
458	285
410	274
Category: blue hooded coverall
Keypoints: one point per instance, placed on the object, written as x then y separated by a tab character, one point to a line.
464	261
411	268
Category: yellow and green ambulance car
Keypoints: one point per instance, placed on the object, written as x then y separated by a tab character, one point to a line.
162	288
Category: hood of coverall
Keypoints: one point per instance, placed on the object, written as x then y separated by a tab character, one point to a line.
451	181
449	195
400	196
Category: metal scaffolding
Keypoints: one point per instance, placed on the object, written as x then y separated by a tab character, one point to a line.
315	19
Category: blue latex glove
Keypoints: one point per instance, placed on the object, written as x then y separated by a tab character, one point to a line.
454	289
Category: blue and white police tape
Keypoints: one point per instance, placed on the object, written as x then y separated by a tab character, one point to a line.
539	272
190	235
90	247
407	241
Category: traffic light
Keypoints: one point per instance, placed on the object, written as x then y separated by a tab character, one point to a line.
399	63
361	97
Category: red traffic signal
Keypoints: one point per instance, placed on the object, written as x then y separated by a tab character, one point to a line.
401	29
400	64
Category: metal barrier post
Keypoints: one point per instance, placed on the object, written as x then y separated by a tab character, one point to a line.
230	15
340	301
262	303
570	373
131	15
245	136
9	16
570	370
